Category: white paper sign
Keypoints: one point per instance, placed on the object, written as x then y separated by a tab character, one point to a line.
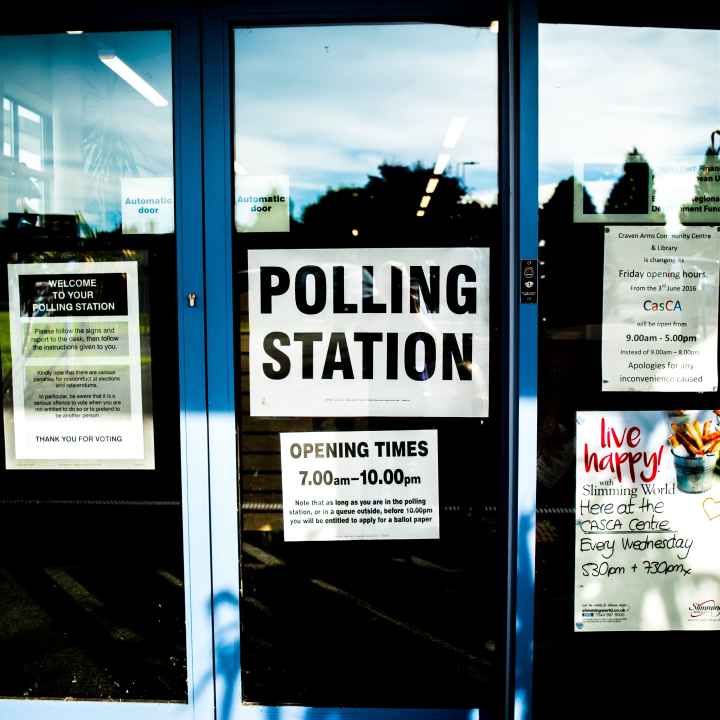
660	309
379	331
360	485
147	206
262	203
75	343
647	525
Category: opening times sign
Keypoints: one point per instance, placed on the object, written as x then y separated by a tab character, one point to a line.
75	347
369	332
380	485
660	309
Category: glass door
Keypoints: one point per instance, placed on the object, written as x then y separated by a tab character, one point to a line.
360	391
103	408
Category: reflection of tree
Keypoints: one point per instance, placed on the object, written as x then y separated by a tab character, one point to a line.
707	191
107	157
568	251
384	211
632	194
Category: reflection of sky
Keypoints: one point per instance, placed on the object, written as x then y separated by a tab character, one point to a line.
606	90
326	106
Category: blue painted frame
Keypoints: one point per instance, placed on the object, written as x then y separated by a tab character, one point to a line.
517	70
525	157
192	374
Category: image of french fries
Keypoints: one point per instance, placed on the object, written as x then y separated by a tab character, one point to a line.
697	439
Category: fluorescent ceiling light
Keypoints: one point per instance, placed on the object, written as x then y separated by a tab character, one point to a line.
74	32
454	131
133	79
441	163
425	201
432	184
420	213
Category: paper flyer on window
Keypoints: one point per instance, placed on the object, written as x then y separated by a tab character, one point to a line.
76	367
660	309
647	516
380	485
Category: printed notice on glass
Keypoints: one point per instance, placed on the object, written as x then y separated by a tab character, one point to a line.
647	511
397	332
76	367
147	205
660	309
379	485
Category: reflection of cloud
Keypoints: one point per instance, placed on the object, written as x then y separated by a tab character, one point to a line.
651	91
345	99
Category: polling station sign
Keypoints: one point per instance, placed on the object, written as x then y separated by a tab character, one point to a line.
399	332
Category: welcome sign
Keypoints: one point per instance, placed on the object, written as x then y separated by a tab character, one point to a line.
369	332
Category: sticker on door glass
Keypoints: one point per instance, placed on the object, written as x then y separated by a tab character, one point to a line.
147	206
262	203
360	485
397	332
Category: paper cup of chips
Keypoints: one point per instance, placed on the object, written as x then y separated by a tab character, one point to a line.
695	448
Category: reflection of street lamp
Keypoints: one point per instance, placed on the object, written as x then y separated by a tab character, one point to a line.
460	167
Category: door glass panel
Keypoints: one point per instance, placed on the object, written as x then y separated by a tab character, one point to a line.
628	313
92	604
367	149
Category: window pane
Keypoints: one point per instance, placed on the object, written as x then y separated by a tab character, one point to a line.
92	601
368	148
628	308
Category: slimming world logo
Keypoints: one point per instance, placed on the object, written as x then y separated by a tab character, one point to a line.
705	609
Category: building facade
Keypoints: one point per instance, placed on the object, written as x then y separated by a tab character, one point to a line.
339	347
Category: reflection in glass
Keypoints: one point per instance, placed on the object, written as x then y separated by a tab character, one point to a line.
83	117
